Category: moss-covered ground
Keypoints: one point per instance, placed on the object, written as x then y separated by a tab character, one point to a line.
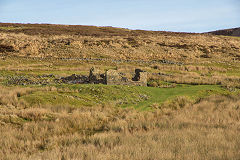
123	96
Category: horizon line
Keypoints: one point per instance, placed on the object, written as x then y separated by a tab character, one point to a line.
89	25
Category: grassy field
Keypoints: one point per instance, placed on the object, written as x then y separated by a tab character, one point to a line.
182	129
190	109
194	92
123	96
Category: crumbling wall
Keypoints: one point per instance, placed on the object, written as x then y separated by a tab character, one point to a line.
74	79
114	77
143	79
96	76
140	78
110	77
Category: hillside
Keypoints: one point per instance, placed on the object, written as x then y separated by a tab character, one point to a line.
80	30
63	41
36	49
188	107
227	32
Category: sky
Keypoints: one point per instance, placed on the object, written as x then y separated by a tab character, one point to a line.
159	15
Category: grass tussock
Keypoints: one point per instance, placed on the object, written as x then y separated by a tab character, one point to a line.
9	96
125	46
180	129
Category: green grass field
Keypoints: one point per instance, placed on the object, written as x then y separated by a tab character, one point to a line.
193	92
123	96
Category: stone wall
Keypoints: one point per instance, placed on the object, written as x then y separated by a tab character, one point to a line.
110	77
96	76
113	77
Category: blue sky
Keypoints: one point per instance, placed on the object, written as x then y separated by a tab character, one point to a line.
167	15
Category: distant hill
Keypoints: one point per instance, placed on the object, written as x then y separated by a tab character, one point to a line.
228	32
76	41
78	30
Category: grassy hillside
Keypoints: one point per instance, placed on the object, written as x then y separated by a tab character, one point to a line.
79	30
114	43
207	128
190	109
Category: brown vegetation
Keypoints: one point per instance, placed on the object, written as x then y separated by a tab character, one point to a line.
117	44
177	130
180	128
196	74
227	32
80	30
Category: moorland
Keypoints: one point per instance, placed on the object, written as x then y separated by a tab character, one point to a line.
190	108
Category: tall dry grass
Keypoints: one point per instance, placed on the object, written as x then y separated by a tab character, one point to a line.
191	74
208	129
177	47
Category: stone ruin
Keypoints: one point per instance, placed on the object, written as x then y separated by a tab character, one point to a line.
96	77
110	77
113	77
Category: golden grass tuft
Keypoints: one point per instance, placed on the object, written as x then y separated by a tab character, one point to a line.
176	130
187	48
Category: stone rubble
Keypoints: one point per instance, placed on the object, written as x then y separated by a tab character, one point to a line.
110	77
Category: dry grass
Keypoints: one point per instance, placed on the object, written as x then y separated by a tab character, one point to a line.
197	74
180	130
208	59
193	78
9	96
170	46
93	31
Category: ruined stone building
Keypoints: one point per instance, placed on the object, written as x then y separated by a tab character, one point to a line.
110	77
113	77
